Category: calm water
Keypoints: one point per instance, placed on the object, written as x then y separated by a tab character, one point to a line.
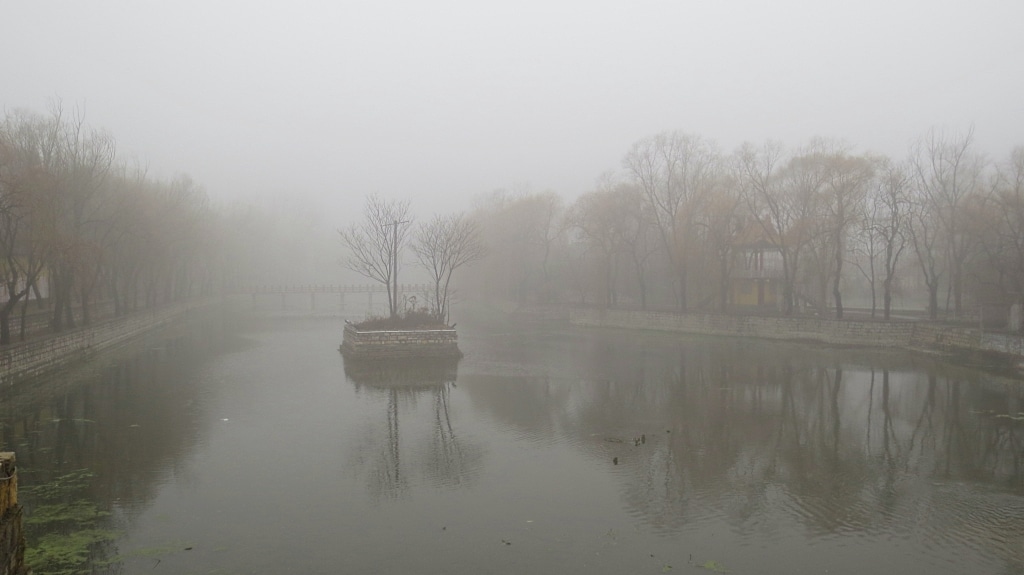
548	450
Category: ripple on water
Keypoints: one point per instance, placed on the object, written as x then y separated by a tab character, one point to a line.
988	521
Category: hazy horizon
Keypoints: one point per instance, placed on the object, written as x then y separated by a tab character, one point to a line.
326	103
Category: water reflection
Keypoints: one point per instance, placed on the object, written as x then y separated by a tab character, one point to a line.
573	444
99	439
760	435
440	455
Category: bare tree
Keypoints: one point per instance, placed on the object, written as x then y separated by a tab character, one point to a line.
639	239
546	230
1008	196
924	235
846	182
524	234
675	172
947	173
443	245
890	221
601	220
720	221
784	200
24	245
376	243
865	247
998	224
80	159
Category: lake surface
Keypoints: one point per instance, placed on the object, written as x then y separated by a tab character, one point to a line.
548	449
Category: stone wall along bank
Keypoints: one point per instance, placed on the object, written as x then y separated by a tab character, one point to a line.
901	334
385	344
32	358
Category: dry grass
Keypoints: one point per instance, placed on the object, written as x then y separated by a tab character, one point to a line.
408	320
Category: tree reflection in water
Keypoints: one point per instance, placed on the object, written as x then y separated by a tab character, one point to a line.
114	425
762	434
439	456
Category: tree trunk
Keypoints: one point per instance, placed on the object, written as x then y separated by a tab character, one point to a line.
5	324
933	300
788	284
787	298
39	298
57	294
86	315
958	295
887	297
836	295
682	287
115	295
723	284
69	314
609	296
62	315
24	314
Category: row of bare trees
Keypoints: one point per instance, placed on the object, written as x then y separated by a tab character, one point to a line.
674	225
79	226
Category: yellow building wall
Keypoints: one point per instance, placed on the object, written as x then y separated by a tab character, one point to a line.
745	293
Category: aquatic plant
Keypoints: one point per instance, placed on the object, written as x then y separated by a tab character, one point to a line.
63	528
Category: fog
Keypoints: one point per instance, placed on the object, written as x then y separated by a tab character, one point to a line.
289	117
795	157
326	102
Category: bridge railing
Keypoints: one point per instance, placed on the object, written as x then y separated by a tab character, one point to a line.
333	289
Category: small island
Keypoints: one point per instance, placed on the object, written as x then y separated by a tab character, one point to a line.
441	245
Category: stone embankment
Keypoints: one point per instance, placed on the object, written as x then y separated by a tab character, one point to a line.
912	335
35	357
397	344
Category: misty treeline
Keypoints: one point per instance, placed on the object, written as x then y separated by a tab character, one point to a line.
682	220
79	226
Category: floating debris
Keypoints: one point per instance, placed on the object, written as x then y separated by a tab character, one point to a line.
1018	417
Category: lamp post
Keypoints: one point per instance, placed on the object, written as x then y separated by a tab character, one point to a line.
393	304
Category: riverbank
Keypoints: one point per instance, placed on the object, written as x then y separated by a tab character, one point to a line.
47	354
965	344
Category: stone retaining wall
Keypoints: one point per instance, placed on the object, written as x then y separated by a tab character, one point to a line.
399	343
37	321
814	329
28	359
901	334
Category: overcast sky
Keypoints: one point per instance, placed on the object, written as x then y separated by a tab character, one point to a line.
437	101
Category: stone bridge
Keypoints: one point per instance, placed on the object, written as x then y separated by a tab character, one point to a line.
326	298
